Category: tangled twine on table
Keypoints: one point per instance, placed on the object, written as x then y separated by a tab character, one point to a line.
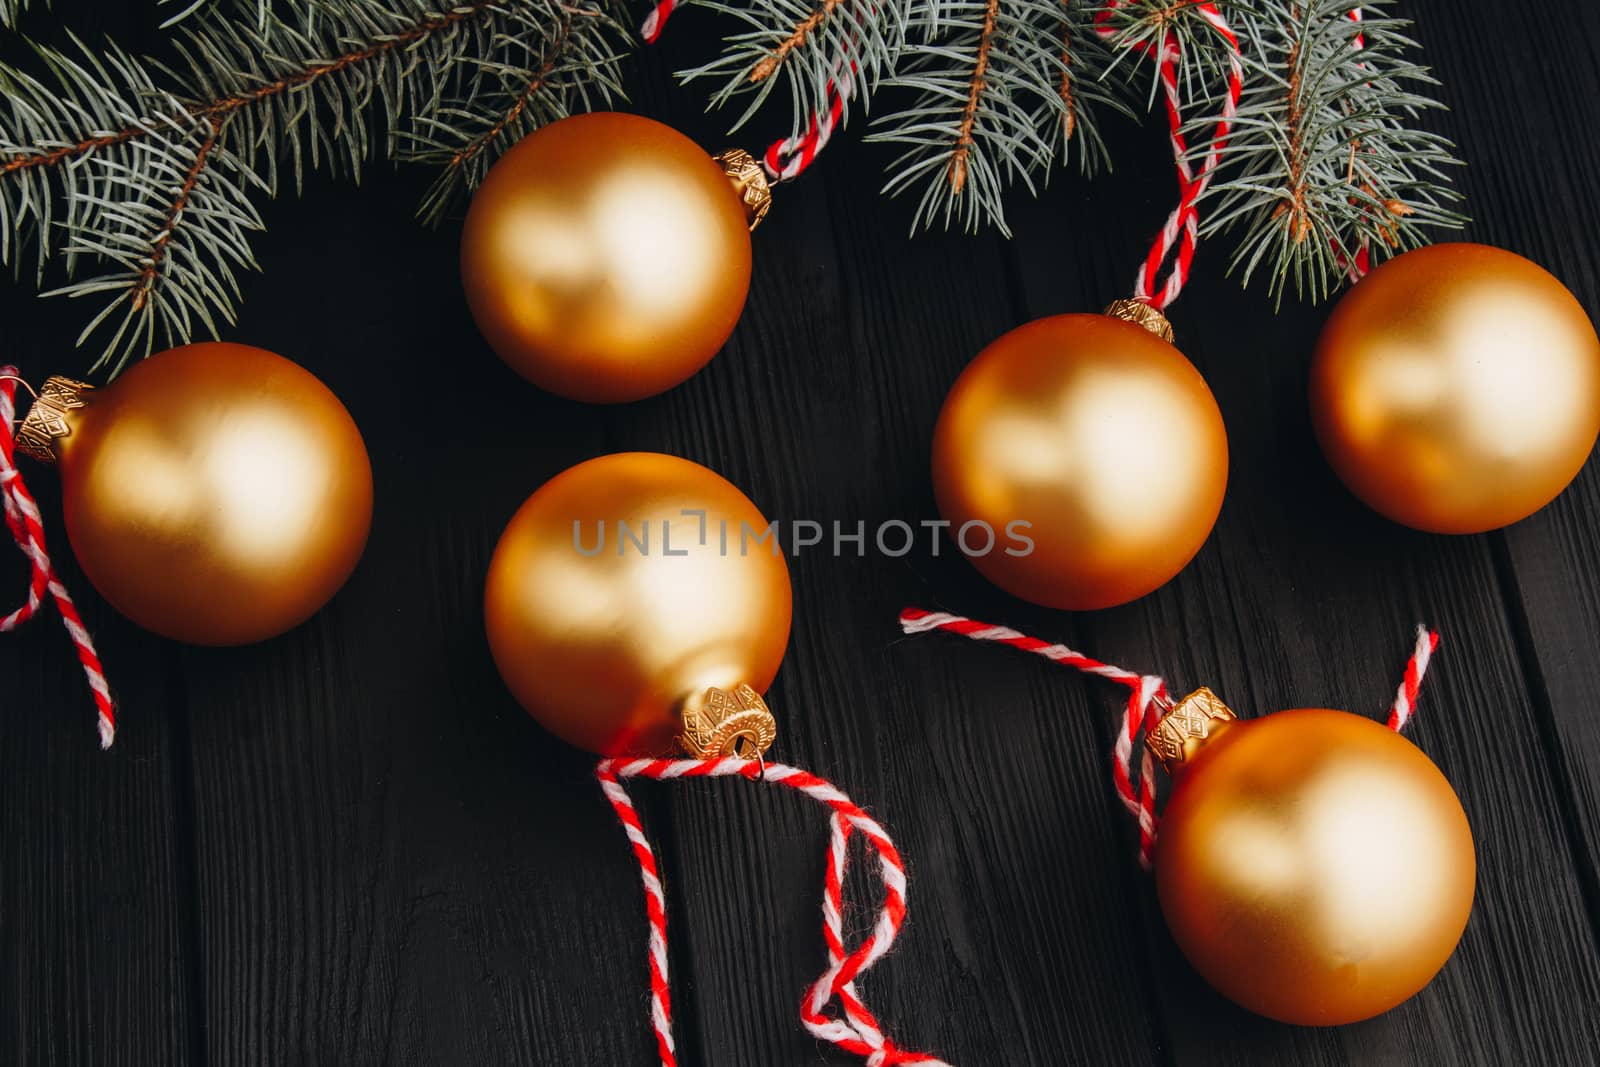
855	1030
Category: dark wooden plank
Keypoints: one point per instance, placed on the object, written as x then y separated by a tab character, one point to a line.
96	922
1549	558
98	930
822	408
395	864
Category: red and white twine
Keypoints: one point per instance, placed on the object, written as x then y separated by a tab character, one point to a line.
788	158
1356	266
1181	234
1405	698
27	529
1145	694
854	1029
1146	699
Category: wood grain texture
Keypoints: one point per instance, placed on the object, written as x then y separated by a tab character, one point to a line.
98	931
96	927
1548	562
395	865
349	846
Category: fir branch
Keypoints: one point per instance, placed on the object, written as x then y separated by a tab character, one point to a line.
807	45
998	99
535	75
150	269
1139	29
1324	160
797	39
148	169
1069	109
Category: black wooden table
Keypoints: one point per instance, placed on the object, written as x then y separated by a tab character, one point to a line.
349	846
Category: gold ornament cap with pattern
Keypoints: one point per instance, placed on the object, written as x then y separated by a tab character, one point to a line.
49	419
1193	721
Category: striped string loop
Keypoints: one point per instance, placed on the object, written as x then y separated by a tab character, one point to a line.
1359	265
785	159
853	1029
27	529
1181	234
1147	698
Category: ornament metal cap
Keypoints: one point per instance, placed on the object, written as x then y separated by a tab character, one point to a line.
1183	730
46	422
749	181
728	724
1141	314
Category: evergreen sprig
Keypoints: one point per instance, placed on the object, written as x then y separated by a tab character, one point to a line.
143	175
986	95
1002	89
1325	160
808	46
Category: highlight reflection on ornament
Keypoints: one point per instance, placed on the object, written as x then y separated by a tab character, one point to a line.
1101	435
606	257
1456	388
618	650
1313	865
215	493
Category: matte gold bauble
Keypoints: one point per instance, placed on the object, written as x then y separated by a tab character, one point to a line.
623	590
1102	437
1457	388
1313	865
606	257
216	493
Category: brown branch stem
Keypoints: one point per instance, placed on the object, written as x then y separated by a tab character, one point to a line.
1296	206
957	171
796	39
480	143
158	245
225	106
1069	120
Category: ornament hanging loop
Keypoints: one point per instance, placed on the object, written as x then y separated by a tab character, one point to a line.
26	524
22	382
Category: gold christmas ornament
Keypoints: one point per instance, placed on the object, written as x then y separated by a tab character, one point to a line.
606	257
1313	865
1102	437
632	609
216	493
1456	389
